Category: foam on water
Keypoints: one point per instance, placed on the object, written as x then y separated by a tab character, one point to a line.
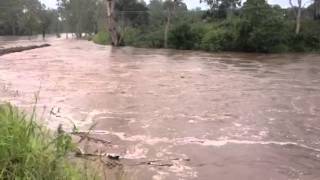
193	140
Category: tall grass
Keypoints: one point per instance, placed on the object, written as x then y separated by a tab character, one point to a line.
29	151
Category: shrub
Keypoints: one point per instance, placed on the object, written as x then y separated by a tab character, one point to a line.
102	37
199	30
131	36
261	28
267	37
310	32
182	37
214	40
153	39
298	43
28	151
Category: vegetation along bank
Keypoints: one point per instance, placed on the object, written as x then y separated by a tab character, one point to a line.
227	25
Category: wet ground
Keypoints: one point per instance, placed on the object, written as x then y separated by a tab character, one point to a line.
218	116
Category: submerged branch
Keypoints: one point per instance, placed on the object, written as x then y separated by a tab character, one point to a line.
90	138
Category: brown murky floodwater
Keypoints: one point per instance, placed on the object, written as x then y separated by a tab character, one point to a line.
219	116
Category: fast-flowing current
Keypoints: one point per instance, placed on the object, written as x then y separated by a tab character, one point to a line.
224	116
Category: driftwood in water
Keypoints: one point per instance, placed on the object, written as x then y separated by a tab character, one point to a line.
115	160
87	136
21	48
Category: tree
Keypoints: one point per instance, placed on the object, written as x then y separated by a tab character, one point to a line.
23	17
45	21
132	12
112	23
221	8
298	10
261	28
79	15
157	14
171	7
10	14
316	7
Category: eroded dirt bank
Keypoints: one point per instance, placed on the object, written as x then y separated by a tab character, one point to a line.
212	116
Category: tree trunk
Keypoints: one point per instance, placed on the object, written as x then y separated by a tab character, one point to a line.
298	11
112	23
316	9
43	34
168	23
298	21
13	29
166	31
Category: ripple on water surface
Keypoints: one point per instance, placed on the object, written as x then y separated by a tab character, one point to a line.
222	116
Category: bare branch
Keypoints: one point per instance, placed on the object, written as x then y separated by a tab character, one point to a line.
293	7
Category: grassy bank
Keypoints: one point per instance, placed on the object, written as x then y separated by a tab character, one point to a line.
29	151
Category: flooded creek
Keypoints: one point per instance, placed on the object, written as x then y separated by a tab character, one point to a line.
211	115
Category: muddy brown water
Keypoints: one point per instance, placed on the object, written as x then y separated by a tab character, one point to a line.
218	116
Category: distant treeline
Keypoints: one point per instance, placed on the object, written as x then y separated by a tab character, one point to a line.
227	25
27	17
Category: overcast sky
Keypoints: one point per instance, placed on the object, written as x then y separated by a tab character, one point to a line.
190	3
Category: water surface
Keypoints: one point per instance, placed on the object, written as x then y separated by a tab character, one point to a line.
219	116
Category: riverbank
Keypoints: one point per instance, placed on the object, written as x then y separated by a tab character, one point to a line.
29	151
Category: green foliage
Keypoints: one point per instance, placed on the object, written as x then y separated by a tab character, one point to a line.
131	36
26	17
199	30
182	37
256	26
261	28
127	17
102	38
153	39
309	38
214	40
29	151
221	8
305	43
80	16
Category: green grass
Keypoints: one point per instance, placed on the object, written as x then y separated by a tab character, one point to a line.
29	151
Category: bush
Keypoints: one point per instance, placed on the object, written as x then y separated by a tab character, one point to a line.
262	28
153	39
147	39
214	40
199	30
102	37
298	43
182	37
272	33
310	34
28	151
131	37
